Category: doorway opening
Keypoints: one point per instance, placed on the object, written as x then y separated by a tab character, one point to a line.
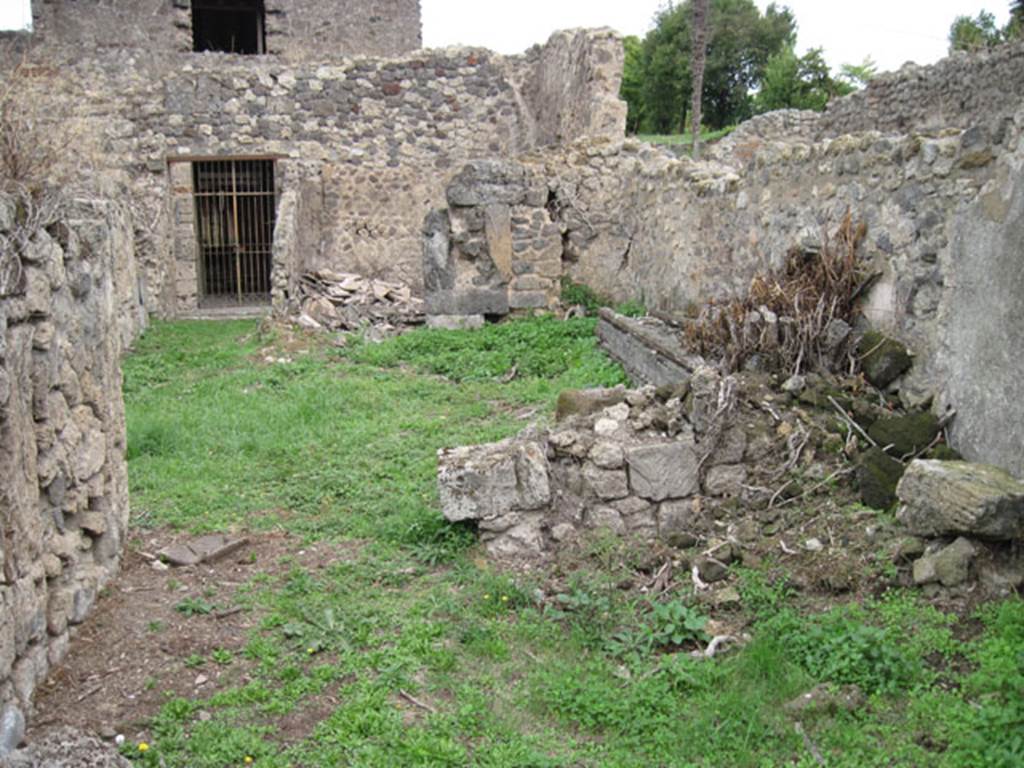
230	26
235	213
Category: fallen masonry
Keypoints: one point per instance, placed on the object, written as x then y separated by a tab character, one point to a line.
720	465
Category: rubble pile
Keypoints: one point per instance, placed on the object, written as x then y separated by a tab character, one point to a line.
343	301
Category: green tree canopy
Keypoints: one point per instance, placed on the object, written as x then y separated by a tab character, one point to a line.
632	83
741	40
967	34
798	82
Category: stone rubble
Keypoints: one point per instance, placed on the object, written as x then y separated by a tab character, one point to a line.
340	301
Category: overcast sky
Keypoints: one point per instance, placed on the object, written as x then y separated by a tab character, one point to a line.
890	31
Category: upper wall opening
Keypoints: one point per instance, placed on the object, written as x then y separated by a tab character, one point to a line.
230	26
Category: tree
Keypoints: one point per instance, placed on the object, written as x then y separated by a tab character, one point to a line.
1015	28
967	34
794	82
859	75
740	41
632	83
699	58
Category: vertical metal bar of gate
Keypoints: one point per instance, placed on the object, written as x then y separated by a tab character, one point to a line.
235	210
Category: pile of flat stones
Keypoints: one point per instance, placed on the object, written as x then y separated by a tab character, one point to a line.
343	301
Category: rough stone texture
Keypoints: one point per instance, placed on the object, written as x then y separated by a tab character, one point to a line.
295	29
944	211
610	468
366	143
64	748
949	566
878	473
950	498
64	499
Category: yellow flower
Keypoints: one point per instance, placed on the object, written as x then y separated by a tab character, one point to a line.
504	598
248	759
310	651
487	597
143	746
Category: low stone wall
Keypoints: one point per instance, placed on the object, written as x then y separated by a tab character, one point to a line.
69	303
648	463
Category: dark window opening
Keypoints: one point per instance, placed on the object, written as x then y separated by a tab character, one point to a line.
232	26
235	211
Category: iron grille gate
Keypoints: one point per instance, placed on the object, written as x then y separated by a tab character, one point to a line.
235	229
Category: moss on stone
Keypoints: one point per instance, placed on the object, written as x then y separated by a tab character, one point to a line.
883	359
877	475
906	434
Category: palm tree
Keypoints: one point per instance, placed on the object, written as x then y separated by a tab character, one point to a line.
699	54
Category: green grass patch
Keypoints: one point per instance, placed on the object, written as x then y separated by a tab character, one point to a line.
337	445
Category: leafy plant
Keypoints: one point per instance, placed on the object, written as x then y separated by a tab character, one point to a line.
675	623
194	606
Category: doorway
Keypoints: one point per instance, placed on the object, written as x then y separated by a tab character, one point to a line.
235	213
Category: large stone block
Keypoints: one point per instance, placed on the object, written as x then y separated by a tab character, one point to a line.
951	498
484	482
663	471
468	301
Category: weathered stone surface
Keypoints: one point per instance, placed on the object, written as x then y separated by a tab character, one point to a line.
877	476
65	748
12	731
950	498
605	518
584	402
949	566
906	434
484	482
711	569
678	522
725	480
650	352
665	471
467	301
607	455
606	484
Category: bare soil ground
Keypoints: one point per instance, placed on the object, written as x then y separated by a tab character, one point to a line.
138	645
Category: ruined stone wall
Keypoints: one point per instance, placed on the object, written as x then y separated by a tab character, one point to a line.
68	306
380	137
943	218
958	91
296	30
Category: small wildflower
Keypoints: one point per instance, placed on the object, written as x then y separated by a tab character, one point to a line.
311	651
504	598
143	746
248	759
487	597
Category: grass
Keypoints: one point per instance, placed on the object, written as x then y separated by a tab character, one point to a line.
684	139
340	446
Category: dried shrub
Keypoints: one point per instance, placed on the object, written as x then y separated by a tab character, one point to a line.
790	320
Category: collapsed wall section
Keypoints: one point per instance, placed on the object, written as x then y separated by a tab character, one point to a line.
68	306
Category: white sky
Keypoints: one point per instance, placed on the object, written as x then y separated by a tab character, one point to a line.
890	31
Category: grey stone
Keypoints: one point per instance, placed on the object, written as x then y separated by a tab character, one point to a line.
950	498
725	480
606	484
949	566
679	523
527	299
455	322
487	481
585	402
66	747
438	264
607	455
467	301
12	729
710	569
605	518
663	470
884	360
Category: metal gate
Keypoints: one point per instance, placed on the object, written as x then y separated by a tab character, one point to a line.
235	209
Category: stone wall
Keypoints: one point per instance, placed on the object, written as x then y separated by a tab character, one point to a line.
942	208
379	137
68	305
957	92
296	30
653	464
